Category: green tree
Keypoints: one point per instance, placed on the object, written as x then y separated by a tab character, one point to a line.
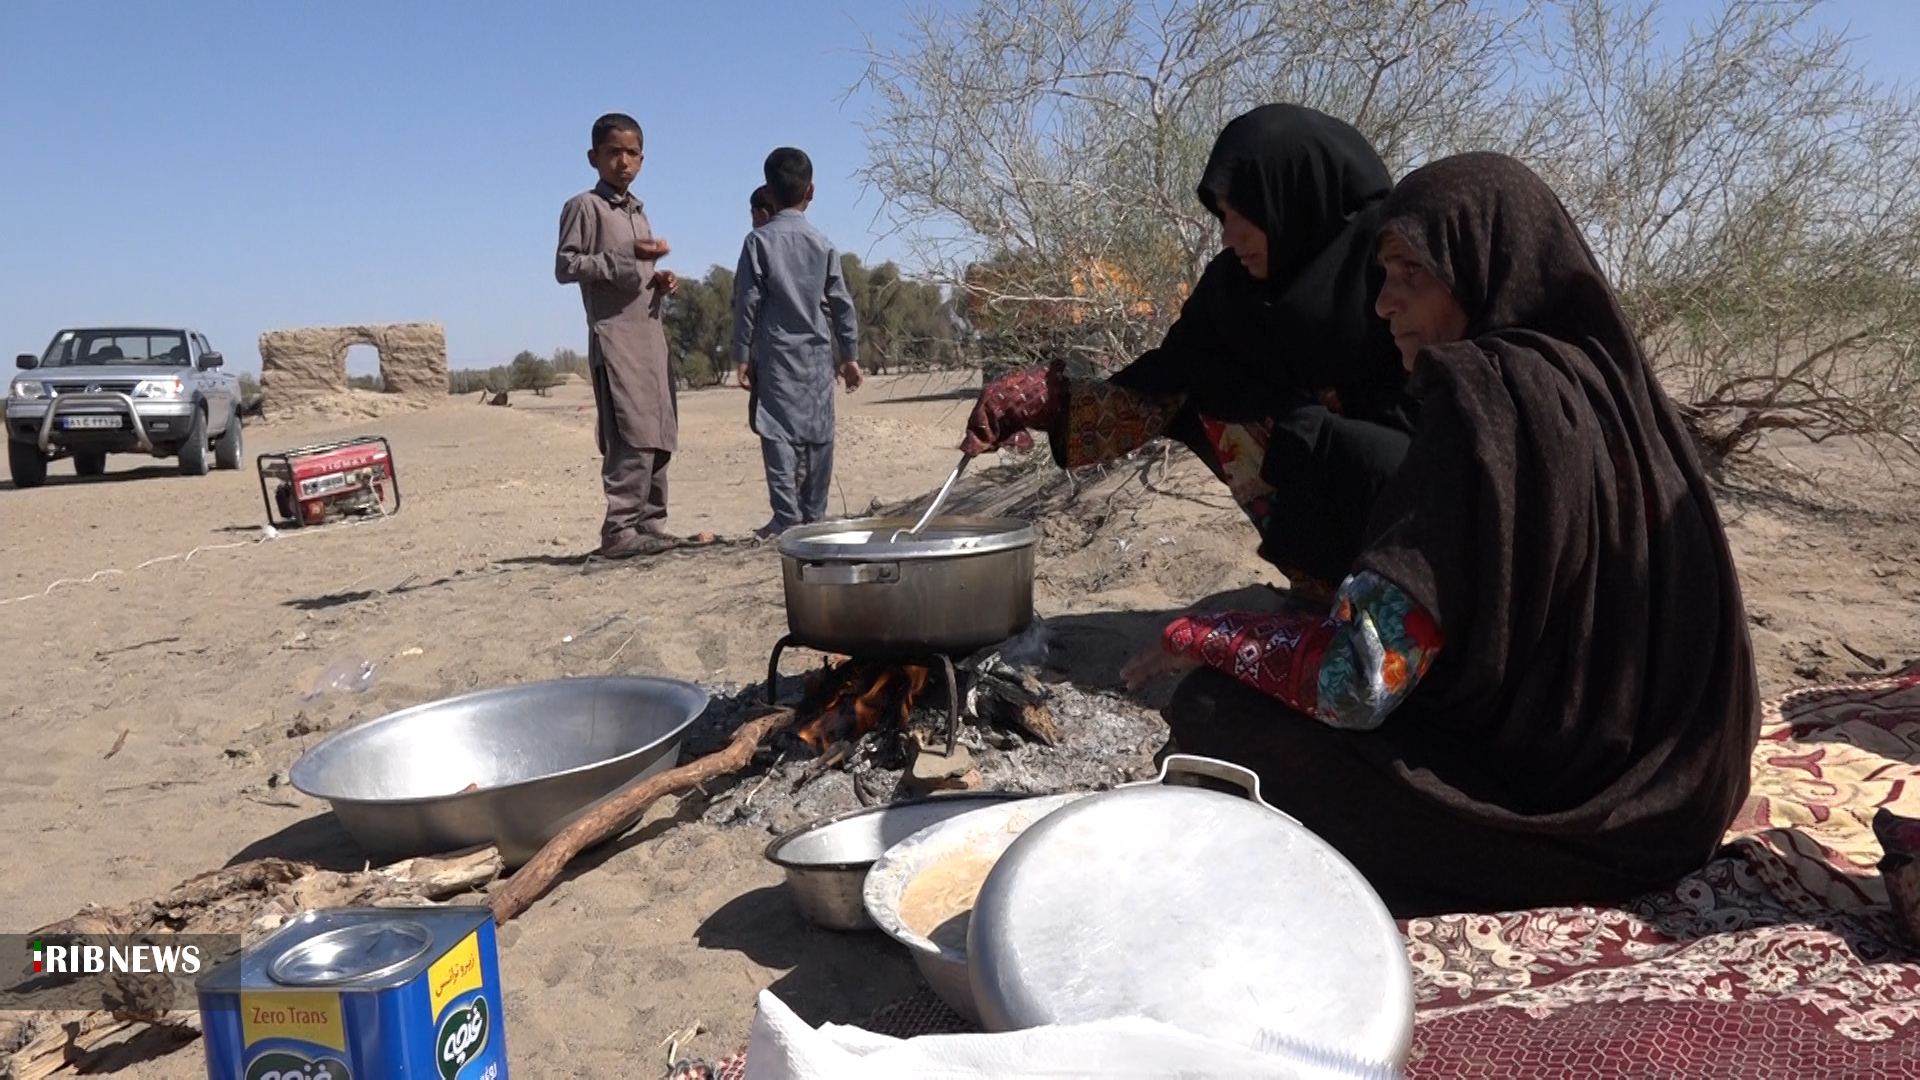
699	320
529	371
903	322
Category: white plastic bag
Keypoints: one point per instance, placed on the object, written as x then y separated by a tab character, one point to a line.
783	1047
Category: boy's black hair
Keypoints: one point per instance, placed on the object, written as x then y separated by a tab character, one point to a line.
762	199
613	122
789	171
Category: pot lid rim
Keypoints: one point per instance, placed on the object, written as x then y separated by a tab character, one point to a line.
1007	971
980	536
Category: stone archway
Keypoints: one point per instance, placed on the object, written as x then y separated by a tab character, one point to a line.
300	364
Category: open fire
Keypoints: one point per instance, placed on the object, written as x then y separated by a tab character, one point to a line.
855	697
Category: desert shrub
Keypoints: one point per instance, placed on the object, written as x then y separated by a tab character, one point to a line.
1748	187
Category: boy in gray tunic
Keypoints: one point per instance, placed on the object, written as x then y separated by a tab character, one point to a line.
788	355
607	246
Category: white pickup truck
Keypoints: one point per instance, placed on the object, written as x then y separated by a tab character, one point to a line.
122	390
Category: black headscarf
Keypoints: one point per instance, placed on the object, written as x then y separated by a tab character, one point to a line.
1597	681
1245	349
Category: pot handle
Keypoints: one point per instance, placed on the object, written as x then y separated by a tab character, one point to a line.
1183	770
844	573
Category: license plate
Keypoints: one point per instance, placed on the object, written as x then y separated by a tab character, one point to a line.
72	423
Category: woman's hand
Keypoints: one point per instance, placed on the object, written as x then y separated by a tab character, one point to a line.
1007	409
1152	663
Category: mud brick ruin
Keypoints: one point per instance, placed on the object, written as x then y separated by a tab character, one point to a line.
297	366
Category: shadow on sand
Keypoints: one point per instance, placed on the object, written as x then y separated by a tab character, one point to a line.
831	976
145	472
320	840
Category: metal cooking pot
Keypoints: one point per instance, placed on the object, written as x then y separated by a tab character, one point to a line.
960	585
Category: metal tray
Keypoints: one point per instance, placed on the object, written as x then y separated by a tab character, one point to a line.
1214	913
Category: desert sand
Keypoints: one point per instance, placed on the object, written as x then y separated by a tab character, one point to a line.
203	662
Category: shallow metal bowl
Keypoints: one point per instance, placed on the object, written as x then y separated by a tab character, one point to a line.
988	831
827	860
509	767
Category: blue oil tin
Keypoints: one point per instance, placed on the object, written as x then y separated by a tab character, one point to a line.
360	994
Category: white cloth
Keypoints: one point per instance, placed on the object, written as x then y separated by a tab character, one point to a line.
783	1047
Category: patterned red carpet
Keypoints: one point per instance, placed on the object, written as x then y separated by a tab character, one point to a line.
1778	959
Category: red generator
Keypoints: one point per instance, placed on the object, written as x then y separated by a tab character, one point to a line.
314	485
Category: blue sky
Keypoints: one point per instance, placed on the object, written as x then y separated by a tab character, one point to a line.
239	165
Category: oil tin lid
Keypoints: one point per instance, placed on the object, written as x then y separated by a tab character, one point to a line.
365	950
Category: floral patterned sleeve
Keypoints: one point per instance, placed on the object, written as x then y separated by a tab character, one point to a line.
1349	668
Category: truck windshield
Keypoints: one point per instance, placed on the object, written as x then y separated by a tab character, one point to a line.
75	348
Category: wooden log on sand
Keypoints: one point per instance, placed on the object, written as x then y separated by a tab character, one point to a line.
623	808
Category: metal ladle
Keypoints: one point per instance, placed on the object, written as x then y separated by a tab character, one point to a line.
934	507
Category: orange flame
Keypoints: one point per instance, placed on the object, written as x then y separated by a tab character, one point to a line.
888	697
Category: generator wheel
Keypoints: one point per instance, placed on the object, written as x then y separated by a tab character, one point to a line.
227	449
193	452
27	464
90	462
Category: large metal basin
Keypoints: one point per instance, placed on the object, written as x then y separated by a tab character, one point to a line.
962	584
536	756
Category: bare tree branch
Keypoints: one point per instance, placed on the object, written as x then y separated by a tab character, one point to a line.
1753	195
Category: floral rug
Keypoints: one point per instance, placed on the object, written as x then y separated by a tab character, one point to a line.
1780	958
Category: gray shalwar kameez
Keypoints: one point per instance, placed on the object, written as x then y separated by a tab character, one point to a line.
782	331
636	414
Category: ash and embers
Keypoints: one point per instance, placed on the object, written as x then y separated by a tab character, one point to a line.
861	723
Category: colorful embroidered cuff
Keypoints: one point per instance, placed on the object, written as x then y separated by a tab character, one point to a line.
1349	669
1275	654
1101	422
1384	643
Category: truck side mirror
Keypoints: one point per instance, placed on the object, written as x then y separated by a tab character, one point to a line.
26	361
210	360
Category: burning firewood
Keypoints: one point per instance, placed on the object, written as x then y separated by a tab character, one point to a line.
847	701
1013	700
834	755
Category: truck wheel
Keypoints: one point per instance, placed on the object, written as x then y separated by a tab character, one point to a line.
27	464
193	452
227	449
90	462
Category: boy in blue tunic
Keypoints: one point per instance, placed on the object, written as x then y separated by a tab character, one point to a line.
789	346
